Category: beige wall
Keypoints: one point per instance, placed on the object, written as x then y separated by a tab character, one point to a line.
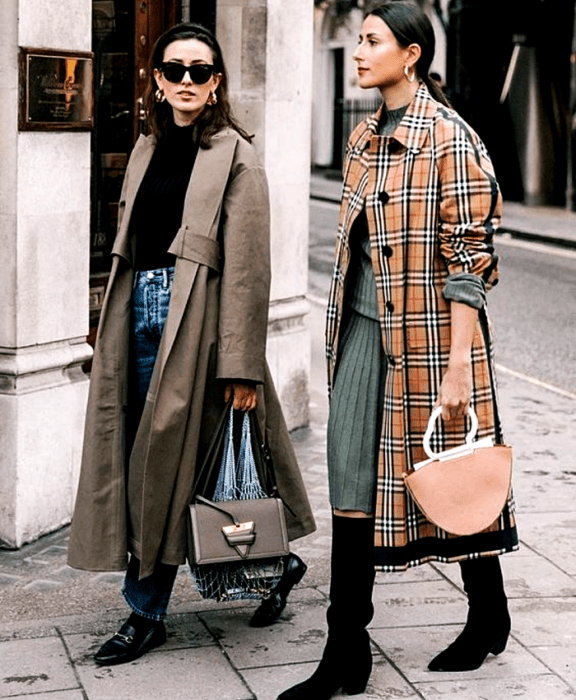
44	234
268	49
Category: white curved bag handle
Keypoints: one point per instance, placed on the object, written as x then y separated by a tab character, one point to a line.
430	429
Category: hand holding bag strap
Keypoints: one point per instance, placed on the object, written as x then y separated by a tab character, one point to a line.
436	413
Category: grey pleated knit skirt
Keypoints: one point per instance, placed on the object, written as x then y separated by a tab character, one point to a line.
355	415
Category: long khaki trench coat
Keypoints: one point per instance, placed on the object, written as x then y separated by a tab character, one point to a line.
432	204
136	481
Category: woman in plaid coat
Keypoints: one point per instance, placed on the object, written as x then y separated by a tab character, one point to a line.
407	330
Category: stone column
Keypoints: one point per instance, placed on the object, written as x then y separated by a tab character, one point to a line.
268	47
44	238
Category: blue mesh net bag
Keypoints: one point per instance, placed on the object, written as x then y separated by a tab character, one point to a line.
237	480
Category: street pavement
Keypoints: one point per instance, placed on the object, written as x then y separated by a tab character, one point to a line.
53	618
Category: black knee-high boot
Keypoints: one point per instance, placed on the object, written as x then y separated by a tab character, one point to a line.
347	660
488	624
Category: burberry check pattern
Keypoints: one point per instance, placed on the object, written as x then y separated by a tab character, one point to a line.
432	204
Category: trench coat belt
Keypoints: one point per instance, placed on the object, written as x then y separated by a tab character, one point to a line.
196	248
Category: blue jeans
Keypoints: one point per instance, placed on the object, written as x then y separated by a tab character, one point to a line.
150	596
150	303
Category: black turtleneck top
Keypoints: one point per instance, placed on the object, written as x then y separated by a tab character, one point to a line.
159	203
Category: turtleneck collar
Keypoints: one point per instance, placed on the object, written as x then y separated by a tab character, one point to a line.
390	119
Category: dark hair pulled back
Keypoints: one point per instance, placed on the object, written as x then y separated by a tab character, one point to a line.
410	25
213	118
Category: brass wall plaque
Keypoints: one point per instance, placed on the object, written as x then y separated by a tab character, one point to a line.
56	90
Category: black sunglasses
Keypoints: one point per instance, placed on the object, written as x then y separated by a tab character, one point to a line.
199	72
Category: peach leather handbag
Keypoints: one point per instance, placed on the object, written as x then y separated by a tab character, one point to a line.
462	490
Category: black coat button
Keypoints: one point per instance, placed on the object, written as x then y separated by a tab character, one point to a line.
384	197
390	306
387	251
391	361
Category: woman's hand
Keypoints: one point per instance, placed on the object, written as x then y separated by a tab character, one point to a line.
455	391
245	396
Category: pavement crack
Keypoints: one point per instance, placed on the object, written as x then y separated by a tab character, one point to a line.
71	662
29	680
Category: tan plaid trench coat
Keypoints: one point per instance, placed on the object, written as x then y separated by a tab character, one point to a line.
432	204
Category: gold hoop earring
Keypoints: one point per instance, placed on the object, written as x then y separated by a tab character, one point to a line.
212	99
159	95
409	76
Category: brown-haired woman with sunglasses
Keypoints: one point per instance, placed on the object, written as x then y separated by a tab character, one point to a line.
182	332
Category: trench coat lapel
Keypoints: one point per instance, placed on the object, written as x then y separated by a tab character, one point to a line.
201	211
139	162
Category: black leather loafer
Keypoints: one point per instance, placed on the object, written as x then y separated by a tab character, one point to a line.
131	642
271	608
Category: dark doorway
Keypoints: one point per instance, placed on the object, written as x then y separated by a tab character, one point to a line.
123	34
203	12
338	128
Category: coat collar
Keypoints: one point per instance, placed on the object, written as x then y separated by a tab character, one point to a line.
202	207
139	161
415	123
201	203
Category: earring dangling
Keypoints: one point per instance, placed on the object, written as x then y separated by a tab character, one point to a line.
212	99
159	95
409	76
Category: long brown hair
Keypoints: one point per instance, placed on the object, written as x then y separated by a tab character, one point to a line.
410	25
213	118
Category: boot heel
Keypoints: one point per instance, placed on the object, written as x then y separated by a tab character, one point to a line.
356	684
356	688
499	647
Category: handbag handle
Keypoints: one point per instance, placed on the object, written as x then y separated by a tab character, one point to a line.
432	422
206	502
209	463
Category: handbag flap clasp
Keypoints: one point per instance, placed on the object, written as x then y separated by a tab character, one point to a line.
241	537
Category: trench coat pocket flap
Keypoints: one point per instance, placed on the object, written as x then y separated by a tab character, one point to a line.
196	248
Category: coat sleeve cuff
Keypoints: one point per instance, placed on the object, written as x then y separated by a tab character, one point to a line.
242	367
466	288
